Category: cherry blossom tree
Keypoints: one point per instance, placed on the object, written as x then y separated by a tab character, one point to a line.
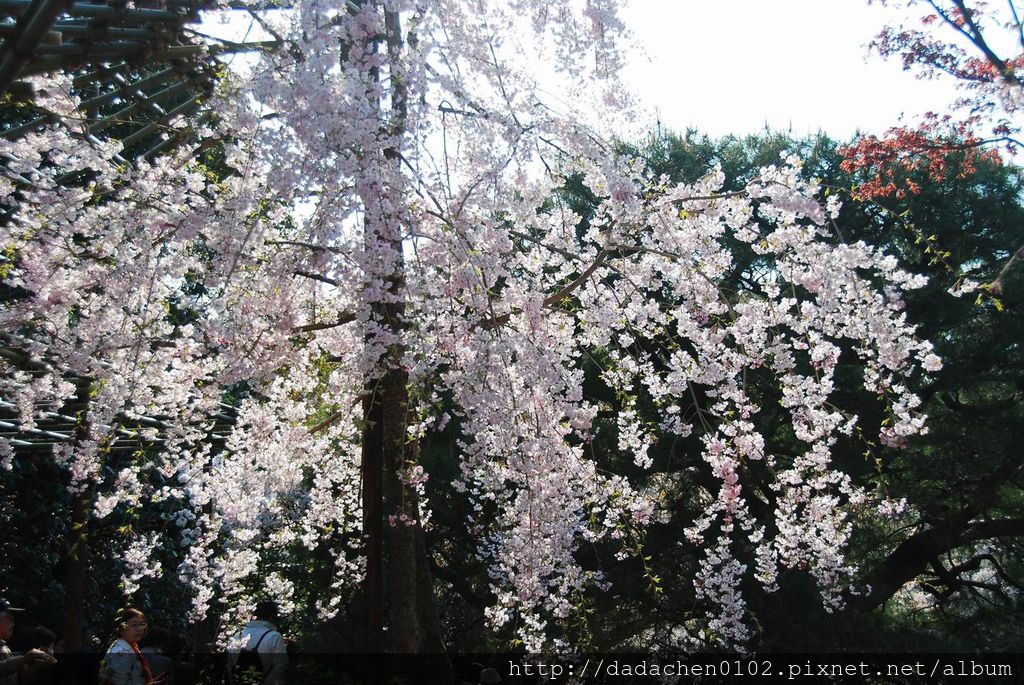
389	252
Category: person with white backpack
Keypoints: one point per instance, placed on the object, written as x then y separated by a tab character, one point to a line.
259	654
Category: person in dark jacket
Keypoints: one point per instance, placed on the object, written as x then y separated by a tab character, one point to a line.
12	666
41	672
155	647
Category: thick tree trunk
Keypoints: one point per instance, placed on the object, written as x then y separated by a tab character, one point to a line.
414	626
396	551
395	548
77	564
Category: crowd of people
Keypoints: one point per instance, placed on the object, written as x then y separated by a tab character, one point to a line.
139	654
136	653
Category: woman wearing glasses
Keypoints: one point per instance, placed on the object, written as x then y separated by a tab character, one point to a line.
124	663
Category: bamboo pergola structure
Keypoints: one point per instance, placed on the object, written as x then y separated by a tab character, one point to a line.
142	75
58	425
141	72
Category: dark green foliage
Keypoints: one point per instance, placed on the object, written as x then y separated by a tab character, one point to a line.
33	508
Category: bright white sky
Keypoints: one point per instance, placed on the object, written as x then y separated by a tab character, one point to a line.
736	66
733	66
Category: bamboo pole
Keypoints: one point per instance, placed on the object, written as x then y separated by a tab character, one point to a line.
32	28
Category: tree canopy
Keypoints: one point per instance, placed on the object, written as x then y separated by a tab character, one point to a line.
400	331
